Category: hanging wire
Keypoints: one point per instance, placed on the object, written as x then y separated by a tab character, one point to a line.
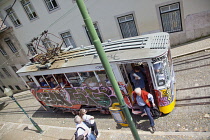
8	13
56	21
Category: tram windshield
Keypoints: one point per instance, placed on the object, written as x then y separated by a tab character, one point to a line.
162	72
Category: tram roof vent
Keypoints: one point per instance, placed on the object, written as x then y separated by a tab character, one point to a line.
159	41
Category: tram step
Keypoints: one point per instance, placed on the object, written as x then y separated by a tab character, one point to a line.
136	109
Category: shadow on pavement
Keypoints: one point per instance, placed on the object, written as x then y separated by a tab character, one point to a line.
145	125
3	105
26	128
41	113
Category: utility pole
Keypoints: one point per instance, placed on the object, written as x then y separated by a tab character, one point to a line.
106	65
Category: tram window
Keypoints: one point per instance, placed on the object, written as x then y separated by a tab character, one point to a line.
42	82
103	78
30	82
74	79
169	58
125	77
29	78
161	70
159	73
89	79
62	81
51	81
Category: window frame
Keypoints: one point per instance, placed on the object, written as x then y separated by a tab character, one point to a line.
4	53
70	35
31	10
1	89
54	9
10	87
1	75
97	31
17	87
6	72
46	43
180	16
11	45
31	49
134	20
13	16
15	69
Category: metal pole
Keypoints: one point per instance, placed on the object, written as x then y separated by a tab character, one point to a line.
33	122
106	65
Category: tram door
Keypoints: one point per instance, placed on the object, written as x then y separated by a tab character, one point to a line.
125	69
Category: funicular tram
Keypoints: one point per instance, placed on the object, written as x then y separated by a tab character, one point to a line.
76	79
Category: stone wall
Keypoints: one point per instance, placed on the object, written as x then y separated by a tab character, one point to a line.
195	26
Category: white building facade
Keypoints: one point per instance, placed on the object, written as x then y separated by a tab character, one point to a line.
185	20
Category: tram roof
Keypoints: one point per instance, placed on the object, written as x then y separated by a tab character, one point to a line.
134	48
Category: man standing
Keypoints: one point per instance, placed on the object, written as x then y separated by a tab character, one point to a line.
143	98
137	78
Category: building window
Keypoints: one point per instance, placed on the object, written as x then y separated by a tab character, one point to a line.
6	72
1	75
97	30
15	70
51	4
29	9
11	87
47	43
31	49
171	18
11	45
18	88
127	26
12	15
1	89
68	40
3	51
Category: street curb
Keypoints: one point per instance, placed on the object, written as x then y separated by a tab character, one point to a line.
140	132
192	52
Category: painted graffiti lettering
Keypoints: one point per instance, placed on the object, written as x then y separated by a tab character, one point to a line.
53	97
158	59
113	56
164	101
92	96
167	97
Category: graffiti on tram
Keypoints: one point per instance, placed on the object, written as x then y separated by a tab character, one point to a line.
92	96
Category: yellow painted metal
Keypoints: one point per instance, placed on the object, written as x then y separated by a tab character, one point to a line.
167	109
118	114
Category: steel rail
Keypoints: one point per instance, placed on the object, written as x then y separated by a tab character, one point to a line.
193	87
192	68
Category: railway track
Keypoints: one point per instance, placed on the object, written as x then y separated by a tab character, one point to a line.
192	61
192	78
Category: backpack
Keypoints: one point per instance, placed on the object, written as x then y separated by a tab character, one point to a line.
88	124
155	112
80	137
